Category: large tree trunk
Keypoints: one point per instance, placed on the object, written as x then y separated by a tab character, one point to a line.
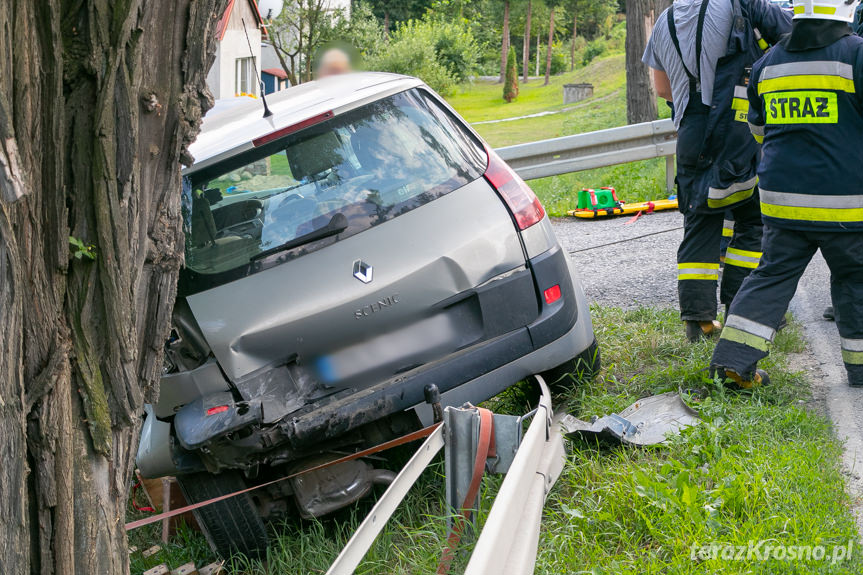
548	48
526	51
98	101
640	93
504	44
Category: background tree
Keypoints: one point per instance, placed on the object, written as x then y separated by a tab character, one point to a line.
510	87
297	33
98	101
504	44
640	94
573	8
391	12
550	44
525	60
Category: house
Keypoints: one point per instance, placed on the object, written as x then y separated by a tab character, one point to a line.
274	79
233	72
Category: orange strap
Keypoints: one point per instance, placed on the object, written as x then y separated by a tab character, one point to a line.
424	432
485	448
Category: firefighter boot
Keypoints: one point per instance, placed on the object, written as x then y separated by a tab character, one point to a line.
698	330
759	379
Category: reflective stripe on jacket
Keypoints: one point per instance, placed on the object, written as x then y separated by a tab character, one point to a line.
807	109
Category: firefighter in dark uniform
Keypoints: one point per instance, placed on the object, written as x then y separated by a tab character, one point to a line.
806	106
701	52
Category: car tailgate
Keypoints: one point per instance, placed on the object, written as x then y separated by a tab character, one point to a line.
416	308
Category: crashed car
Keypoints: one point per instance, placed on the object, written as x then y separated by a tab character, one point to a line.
351	255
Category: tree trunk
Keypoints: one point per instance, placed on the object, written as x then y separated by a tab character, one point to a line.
526	51
548	48
537	53
572	43
640	93
98	101
504	45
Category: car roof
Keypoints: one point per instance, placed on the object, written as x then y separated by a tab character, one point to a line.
231	126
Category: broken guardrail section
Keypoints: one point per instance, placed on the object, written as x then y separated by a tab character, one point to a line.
508	540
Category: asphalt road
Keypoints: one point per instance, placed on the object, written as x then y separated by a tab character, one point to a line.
639	268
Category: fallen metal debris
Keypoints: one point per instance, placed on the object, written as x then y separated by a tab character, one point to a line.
648	421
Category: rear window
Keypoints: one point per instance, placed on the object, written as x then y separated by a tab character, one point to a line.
325	183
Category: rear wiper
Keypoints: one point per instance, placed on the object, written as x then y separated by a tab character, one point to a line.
337	224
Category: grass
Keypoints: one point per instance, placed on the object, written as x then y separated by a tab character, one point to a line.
635	182
762	466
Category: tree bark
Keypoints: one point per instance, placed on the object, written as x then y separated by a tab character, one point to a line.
640	93
548	48
526	51
98	102
504	44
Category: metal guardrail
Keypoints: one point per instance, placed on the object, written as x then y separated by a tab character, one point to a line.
509	538
595	150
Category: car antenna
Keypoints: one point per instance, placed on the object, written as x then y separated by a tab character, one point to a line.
267	112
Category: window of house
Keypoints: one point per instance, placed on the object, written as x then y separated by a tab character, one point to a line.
244	76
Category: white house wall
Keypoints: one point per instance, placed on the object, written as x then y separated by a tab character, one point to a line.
222	76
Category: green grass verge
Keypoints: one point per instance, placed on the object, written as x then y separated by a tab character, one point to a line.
761	466
635	182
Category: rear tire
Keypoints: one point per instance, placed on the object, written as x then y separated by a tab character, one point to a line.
580	369
231	525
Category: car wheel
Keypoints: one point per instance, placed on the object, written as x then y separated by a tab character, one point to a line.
230	525
580	369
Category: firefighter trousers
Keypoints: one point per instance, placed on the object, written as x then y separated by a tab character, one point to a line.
699	254
764	296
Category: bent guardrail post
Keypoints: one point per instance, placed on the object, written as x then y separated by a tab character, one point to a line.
509	538
461	428
595	150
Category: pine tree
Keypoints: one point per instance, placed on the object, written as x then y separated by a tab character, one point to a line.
510	86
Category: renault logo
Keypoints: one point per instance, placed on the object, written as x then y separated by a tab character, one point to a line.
363	271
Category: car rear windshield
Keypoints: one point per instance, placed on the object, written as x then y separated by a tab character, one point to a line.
325	183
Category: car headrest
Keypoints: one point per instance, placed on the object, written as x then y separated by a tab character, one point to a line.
315	155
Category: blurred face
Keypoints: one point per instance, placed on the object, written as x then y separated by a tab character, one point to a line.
334	62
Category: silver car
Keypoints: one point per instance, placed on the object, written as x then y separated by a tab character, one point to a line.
349	259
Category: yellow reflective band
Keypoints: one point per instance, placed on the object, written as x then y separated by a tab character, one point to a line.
852	357
740	336
801	108
759	139
688	265
740	104
727	232
827	10
732	199
741	116
807	82
698	271
732	261
745	253
812	214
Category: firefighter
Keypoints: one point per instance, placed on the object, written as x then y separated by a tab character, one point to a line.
701	52
806	106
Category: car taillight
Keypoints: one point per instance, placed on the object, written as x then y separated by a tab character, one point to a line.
552	294
522	202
